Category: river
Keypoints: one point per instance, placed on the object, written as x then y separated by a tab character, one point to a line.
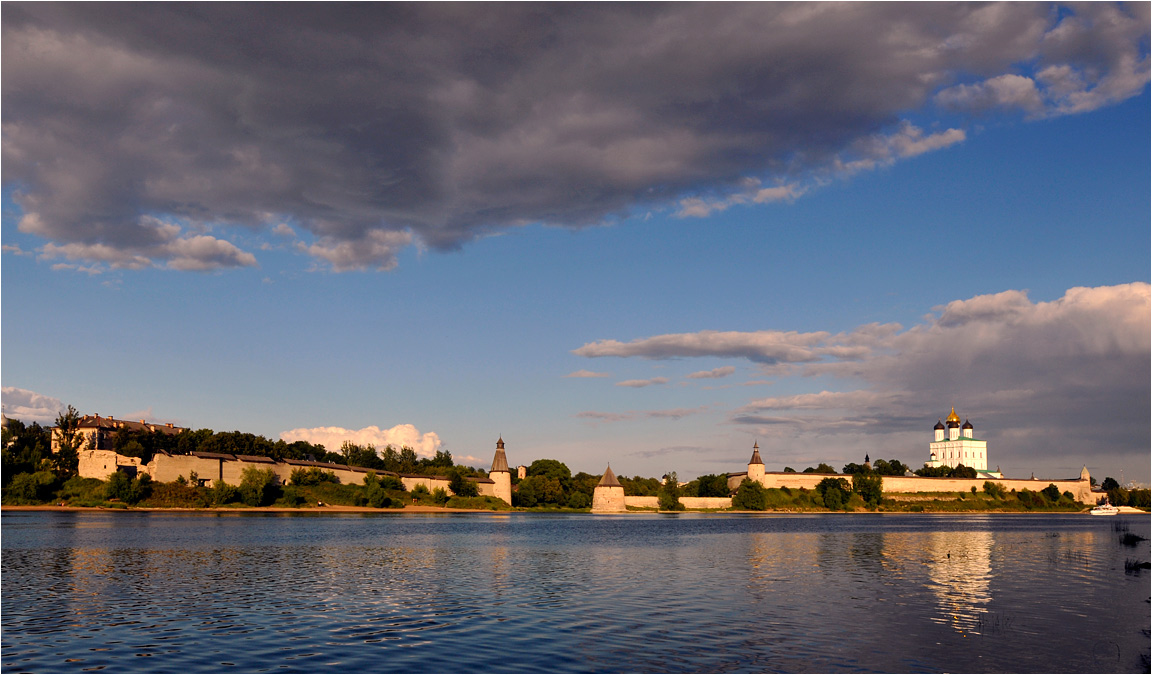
521	592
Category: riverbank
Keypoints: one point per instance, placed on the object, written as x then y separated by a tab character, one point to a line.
410	508
327	508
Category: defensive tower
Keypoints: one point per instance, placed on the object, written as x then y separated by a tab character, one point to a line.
500	474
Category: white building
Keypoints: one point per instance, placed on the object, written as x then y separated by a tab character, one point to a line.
954	445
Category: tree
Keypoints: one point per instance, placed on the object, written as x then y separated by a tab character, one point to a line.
750	496
461	486
32	486
1109	484
820	468
789	469
712	485
314	475
958	471
869	486
892	467
853	468
25	449
1051	492
834	492
442	459
361	455
127	489
669	497
550	468
258	487
407	460
66	460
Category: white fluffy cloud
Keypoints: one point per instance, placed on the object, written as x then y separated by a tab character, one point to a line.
1051	383
28	406
425	444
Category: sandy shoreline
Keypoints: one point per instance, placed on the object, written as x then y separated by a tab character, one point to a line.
331	508
328	508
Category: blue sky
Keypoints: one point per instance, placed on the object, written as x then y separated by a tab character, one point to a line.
1000	189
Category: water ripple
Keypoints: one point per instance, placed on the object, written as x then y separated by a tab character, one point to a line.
170	593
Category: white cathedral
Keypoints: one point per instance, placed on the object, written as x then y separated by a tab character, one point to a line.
955	445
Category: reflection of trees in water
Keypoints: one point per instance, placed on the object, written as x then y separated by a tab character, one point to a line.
960	570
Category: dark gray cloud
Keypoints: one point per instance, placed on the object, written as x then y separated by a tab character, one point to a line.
368	127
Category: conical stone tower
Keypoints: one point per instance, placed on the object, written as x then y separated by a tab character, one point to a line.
608	496
756	465
500	474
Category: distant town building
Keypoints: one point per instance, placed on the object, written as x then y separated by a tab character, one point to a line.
954	444
100	432
521	472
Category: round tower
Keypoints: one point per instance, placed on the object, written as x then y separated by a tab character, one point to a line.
939	430
608	495
500	474
966	430
756	465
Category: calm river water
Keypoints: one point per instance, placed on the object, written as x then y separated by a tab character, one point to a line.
158	592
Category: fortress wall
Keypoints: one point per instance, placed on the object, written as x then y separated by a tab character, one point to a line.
102	463
167	468
642	502
706	502
1080	489
430	482
688	502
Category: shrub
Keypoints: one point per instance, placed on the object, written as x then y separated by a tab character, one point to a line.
750	496
478	503
669	496
420	491
313	475
1052	493
128	490
834	492
224	493
994	490
461	486
176	495
440	496
32	486
869	486
81	489
579	500
258	487
291	496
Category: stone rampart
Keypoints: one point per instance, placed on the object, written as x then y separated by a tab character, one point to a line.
1080	488
691	503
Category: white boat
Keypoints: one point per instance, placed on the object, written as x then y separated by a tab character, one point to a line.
1104	509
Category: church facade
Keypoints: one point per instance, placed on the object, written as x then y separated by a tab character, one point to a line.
955	444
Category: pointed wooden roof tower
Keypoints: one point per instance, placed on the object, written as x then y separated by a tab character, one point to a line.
609	479
500	461
756	454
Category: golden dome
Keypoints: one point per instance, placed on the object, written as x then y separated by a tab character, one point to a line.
953	417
